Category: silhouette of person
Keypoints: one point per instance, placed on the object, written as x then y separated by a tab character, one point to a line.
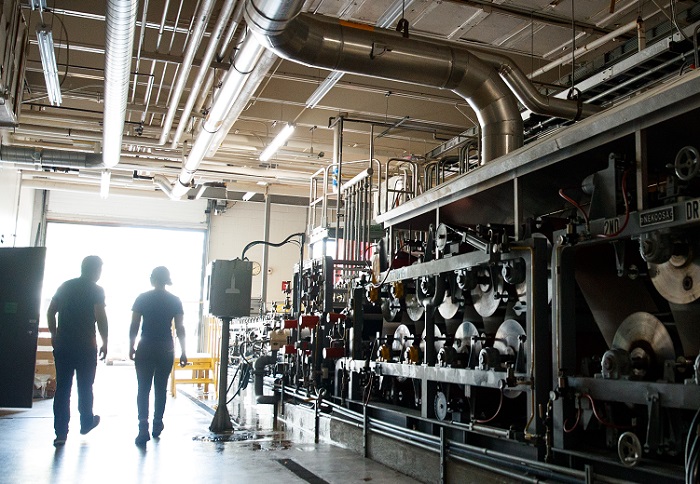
156	351
80	303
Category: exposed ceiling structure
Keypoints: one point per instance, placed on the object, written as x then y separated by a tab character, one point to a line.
205	87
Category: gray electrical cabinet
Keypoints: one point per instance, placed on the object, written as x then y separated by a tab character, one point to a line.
228	288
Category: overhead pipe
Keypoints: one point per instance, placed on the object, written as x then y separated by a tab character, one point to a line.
214	40
119	46
204	93
529	96
333	45
267	60
186	66
233	82
586	48
49	158
330	44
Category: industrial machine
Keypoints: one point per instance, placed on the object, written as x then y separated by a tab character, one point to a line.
536	315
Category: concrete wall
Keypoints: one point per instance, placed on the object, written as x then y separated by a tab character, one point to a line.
16	204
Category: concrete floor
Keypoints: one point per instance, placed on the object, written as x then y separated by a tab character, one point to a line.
185	452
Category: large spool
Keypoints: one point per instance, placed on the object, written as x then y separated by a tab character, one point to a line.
647	341
486	302
678	279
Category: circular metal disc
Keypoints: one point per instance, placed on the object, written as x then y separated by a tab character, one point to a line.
677	280
402	339
507	337
414	309
483	294
440	406
438	342
463	337
391	309
449	308
643	327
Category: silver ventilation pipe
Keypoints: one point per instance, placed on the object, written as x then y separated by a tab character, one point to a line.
244	63
119	45
529	96
328	44
49	158
267	60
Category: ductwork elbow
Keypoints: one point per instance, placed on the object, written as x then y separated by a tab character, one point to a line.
329	44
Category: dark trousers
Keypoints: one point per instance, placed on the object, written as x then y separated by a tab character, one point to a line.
83	364
152	368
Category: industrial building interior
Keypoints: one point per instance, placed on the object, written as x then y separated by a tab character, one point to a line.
441	240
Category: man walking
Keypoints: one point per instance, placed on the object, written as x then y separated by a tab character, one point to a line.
79	303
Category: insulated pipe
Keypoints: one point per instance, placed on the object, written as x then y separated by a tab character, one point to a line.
259	373
234	80
185	67
214	39
588	47
49	158
341	46
530	97
267	60
223	49
119	45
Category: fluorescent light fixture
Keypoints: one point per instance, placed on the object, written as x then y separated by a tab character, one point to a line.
248	195
276	143
263	183
323	89
104	183
48	62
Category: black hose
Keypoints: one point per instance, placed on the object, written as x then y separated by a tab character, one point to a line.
279	244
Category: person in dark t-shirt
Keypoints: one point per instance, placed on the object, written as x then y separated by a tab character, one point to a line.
79	303
154	357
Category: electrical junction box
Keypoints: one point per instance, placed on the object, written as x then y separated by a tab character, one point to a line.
228	288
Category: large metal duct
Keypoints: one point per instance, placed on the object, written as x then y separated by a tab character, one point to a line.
119	45
27	157
336	45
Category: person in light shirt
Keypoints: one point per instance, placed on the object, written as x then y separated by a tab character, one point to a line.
155	312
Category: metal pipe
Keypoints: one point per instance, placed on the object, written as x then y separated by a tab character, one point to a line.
585	48
267	60
221	53
328	44
185	67
266	250
142	35
49	158
214	39
357	178
244	64
119	45
259	372
159	38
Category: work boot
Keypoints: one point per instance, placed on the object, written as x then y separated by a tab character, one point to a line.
157	428
143	435
95	422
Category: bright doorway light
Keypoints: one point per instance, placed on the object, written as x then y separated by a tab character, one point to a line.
129	255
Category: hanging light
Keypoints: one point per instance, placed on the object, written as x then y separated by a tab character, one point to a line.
276	143
48	62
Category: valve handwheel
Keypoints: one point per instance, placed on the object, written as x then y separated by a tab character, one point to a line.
629	449
687	163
